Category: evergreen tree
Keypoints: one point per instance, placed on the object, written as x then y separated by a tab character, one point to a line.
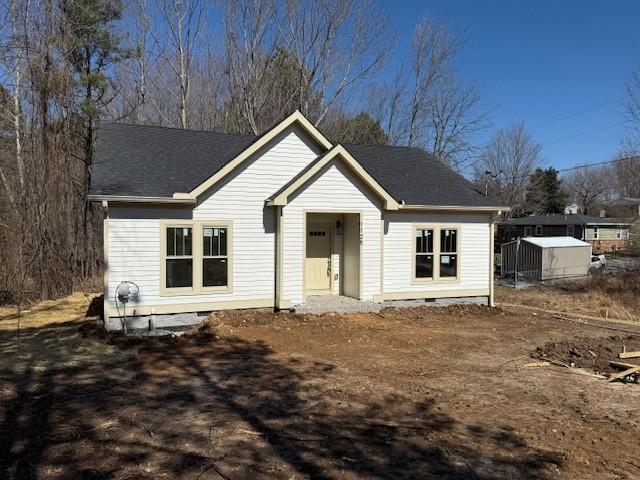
362	128
545	193
91	46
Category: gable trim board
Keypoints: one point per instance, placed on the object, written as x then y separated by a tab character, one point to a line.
296	117
266	198
338	152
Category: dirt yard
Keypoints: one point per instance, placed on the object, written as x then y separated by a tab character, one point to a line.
413	393
614	296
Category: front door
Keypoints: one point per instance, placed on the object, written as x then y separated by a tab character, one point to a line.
318	261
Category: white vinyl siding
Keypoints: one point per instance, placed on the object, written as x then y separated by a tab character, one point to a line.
334	190
474	246
134	233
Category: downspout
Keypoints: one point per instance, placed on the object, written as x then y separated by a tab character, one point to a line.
492	259
105	262
276	259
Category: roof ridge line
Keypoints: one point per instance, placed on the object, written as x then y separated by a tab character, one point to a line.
162	127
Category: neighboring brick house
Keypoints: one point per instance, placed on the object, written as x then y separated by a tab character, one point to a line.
604	234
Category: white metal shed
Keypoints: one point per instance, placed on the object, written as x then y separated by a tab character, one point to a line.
545	258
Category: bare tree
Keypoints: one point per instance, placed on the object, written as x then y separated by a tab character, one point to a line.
338	44
176	39
588	187
433	47
12	55
633	103
251	38
455	117
626	170
507	163
384	103
441	112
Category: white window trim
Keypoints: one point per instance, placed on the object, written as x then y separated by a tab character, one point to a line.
596	232
437	228
197	255
538	227
527	228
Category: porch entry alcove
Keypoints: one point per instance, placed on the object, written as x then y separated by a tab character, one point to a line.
332	254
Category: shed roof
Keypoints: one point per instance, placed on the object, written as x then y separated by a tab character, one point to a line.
555	242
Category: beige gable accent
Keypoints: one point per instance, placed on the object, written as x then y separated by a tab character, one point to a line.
340	153
296	117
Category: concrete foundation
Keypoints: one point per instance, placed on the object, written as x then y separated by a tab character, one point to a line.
166	322
340	304
437	302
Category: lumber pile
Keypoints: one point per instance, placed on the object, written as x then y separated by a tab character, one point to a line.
630	371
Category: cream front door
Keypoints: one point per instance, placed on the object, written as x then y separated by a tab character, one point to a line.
318	260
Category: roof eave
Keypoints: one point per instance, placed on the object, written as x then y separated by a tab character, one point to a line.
456	208
141	199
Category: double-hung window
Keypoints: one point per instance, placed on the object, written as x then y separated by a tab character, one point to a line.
179	257
196	257
436	253
424	253
448	253
215	260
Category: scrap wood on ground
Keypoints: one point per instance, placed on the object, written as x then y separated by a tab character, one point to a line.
593	353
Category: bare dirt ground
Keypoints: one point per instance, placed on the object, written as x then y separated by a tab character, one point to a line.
413	393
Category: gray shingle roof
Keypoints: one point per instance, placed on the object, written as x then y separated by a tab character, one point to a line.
134	160
561	219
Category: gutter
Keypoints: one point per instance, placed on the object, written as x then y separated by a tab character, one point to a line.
133	199
455	208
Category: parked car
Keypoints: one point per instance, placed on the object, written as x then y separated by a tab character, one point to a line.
598	262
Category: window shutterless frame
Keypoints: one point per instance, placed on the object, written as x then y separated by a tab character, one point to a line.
219	250
449	246
424	254
437	228
198	256
169	252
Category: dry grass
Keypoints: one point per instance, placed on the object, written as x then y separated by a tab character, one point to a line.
613	296
55	334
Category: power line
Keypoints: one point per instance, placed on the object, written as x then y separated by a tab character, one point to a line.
575	114
578	167
582	134
607	162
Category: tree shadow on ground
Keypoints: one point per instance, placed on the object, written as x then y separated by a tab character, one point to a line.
205	407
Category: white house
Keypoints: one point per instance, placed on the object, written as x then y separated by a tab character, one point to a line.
203	221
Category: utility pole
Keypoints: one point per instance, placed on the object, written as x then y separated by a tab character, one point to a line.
489	175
